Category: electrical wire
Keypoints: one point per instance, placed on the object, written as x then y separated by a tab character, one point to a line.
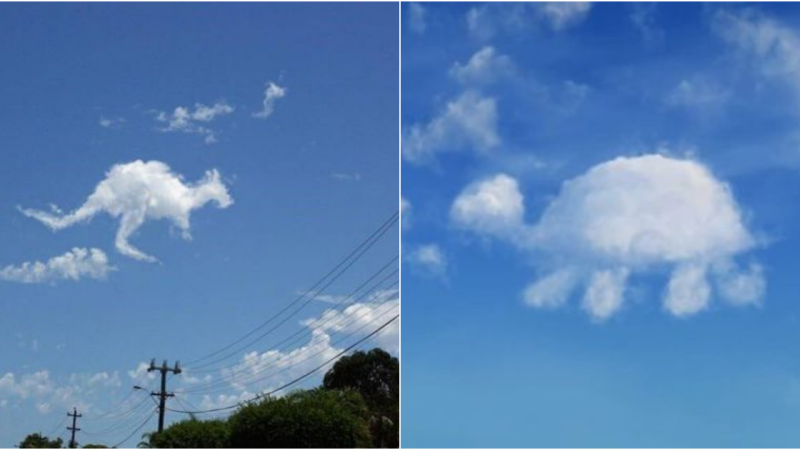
213	387
136	430
298	379
382	229
345	302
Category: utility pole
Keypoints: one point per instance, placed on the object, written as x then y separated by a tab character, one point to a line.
163	394
73	428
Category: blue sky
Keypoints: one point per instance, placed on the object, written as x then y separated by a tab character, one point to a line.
265	133
600	236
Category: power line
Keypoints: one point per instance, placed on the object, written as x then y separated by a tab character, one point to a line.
382	229
298	379
137	429
344	303
215	386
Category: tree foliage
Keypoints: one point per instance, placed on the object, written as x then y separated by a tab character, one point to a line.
376	376
36	440
193	434
303	419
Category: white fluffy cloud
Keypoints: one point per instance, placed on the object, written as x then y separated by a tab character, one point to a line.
137	192
622	217
484	67
73	265
272	93
467	123
184	120
492	206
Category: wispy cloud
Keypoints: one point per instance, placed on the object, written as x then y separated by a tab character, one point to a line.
185	120
428	259
272	94
113	123
137	192
416	18
467	123
342	176
484	67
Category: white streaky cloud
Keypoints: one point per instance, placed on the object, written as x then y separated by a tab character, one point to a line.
605	293
416	18
272	93
429	259
137	192
688	291
494	206
622	217
467	123
185	120
774	46
76	264
484	67
563	15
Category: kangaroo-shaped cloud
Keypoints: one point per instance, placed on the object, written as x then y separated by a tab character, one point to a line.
621	217
139	191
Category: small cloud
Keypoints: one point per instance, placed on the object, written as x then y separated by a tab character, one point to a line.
416	18
484	67
643	19
73	265
428	259
185	120
563	15
405	213
340	176
113	123
467	123
696	93
272	93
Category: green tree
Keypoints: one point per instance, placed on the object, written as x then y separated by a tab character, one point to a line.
376	376
303	419
193	433
36	440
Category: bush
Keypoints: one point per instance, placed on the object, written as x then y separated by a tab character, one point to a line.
303	419
193	434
